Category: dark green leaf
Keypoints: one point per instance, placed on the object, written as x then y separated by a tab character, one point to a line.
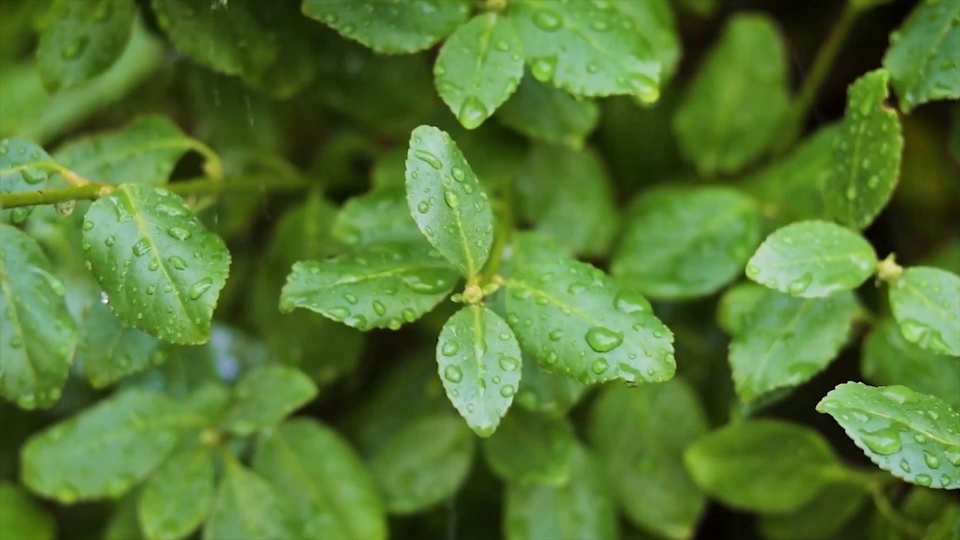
926	305
161	270
123	523
24	166
544	112
377	217
913	436
295	65
736	305
546	392
531	448
248	507
265	396
22	517
110	352
822	517
177	497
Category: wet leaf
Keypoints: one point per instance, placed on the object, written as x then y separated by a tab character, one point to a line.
247	506
531	448
654	20
926	305
178	496
264	396
377	217
547	392
110	352
24	166
544	112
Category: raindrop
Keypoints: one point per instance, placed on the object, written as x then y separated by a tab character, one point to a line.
110	241
178	233
884	441
931	460
458	174
799	285
452	374
508	363
34	176
141	248
339	313
428	158
200	287
507	391
630	302
603	339
423	207
177	262
600	366
451	198
472	113
379	307
547	20
449	348
555	335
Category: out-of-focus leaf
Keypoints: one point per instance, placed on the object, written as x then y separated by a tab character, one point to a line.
926	305
544	112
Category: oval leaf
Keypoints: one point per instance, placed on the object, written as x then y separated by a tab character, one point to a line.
161	270
177	497
264	396
531	448
23	517
375	218
926	305
248	507
544	112
547	392
110	352
822	517
24	166
736	305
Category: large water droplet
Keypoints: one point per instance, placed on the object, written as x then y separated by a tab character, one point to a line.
547	20
34	176
452	374
630	302
508	363
177	262
200	287
602	339
458	174
379	308
472	113
449	348
451	198
428	158
883	441
141	248
543	69
179	233
600	366
507	390
931	460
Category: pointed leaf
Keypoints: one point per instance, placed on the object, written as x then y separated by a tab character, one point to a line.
544	112
914	437
161	270
447	201
531	448
37	333
22	517
579	322
265	396
24	166
110	352
376	217
177	498
248	507
926	305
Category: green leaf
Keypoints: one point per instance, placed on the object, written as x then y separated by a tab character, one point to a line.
912	436
684	243
545	392
579	322
812	259
581	508
161	270
22	517
531	448
786	340
106	449
586	48
447	201
736	305
767	466
924	55
423	463
380	286
737	100
265	396
544	112
325	481
178	496
479	362
866	154
567	195
37	333
479	67
82	39
24	166
822	517
926	305
109	352
889	359
654	20
248	507
393	26
377	217
123	523
144	152
640	435
295	66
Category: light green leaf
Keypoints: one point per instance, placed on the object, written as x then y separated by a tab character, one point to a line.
786	340
248	507
889	359
654	20
161	270
423	463
767	466
377	217
546	392
736	305
178	496
24	166
392	26
37	333
582	508
640	435
82	39
265	396
567	195
577	321
531	448
822	517
447	201
106	449
544	112
479	67
812	259
926	305
737	100
144	152
924	55
109	352
684	243
325	481
586	48
22	517
380	286
479	363
866	154
912	436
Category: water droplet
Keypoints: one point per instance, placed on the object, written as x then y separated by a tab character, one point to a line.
603	339
423	207
931	460
200	287
87	225
884	441
75	49
502	46
141	248
458	174
904	465
64	208
379	307
551	358
339	313
178	233
752	271
600	366
472	113
428	158
923	480
543	69
507	390
177	262
508	363
110	241
851	193
901	394
451	198
452	374
799	285
555	335
630	302
33	176
547	20
449	348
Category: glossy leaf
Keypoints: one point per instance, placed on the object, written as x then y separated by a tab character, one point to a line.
24	166
23	517
547	392
550	114
423	463
248	507
266	395
397	283
82	39
654	20
376	217
393	26
822	517
924	55
478	361
479	67
178	496
737	100
767	466
684	243
926	305
332	493
161	270
812	259
531	448
788	340
866	154
640	435
912	436
37	333
447	201
586	48
579	322
736	305
109	352
105	450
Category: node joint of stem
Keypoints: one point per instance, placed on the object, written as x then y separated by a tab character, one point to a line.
888	270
